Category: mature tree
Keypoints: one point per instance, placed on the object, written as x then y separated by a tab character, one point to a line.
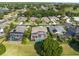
26	36
25	40
38	21
12	25
27	33
6	29
1	15
48	47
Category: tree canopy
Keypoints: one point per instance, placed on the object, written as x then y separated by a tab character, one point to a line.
48	47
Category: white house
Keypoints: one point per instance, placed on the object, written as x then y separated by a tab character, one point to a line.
76	19
68	20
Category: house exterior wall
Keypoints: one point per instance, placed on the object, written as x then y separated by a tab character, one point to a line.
16	36
77	33
2	33
77	36
38	36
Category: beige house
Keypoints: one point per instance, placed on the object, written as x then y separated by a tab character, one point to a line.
45	19
33	19
54	20
39	33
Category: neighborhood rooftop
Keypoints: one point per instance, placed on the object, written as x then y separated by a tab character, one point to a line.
53	18
76	19
22	19
57	29
77	29
39	28
33	18
19	28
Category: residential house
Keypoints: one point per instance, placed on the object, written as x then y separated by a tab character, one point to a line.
71	30
38	33
1	32
54	20
67	25
44	7
66	17
57	30
33	19
4	10
77	33
68	20
35	8
2	21
22	19
59	16
76	19
17	33
45	19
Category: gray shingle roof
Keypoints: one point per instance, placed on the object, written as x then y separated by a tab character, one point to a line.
59	29
19	28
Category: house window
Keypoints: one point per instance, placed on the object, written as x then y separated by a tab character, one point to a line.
17	35
34	36
77	36
1	32
39	35
54	30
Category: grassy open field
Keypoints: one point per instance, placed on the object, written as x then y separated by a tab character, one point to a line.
17	49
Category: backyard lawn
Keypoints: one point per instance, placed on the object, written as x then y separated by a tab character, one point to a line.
68	51
17	49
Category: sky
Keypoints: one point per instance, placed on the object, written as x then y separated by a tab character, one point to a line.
72	1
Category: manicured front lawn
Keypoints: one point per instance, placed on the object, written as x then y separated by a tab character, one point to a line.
68	51
17	49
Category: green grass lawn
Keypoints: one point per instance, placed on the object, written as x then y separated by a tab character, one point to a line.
68	51
17	49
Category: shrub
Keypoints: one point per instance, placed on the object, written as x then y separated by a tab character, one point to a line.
2	49
25	41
